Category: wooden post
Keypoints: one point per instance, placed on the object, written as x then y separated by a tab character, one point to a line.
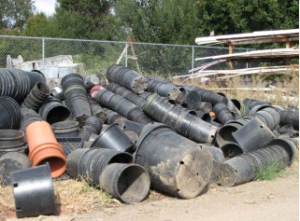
288	44
230	52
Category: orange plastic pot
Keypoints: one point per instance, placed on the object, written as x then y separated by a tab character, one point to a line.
43	147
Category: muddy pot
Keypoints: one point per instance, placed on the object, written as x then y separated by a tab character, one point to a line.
175	164
129	183
11	162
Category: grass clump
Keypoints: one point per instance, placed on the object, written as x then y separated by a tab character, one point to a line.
270	172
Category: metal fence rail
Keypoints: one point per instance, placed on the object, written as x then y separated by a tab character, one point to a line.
97	56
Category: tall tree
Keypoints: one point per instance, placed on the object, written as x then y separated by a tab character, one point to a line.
14	13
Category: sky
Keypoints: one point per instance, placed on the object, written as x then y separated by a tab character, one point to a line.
46	6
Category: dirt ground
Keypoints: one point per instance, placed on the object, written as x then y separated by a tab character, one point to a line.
277	199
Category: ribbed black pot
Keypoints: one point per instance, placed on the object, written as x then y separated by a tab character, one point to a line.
92	125
10	116
14	83
250	103
76	97
54	111
88	164
244	168
112	137
192	100
222	112
12	141
112	116
35	76
129	95
176	165
128	78
68	128
206	95
122	106
288	117
37	96
180	120
129	183
97	110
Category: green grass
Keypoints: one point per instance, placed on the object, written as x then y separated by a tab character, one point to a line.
269	172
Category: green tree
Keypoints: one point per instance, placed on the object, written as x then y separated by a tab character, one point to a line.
14	13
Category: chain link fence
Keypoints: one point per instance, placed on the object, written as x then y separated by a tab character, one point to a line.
52	56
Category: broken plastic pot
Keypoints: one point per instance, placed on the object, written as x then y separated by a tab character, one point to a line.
11	162
89	163
130	183
37	96
175	164
222	112
244	168
54	111
128	78
43	147
10	116
33	191
68	128
112	137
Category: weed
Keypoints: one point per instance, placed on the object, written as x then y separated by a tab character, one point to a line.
269	172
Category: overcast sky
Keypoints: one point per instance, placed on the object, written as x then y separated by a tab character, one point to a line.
46	6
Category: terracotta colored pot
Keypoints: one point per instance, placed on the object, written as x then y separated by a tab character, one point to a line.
43	147
95	89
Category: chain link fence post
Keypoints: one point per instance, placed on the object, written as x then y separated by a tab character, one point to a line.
193	57
126	56
43	53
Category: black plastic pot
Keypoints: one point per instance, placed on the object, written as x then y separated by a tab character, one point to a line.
57	92
231	149
112	116
88	163
35	76
76	97
37	96
69	144
97	110
112	137
128	125
92	125
253	135
128	78
68	128
240	106
224	134
54	111
205	107
288	117
222	112
250	103
244	168
206	95
175	164
130	183
11	162
192	100
10	116
266	113
28	116
90	81
14	83
129	95
180	120
33	191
